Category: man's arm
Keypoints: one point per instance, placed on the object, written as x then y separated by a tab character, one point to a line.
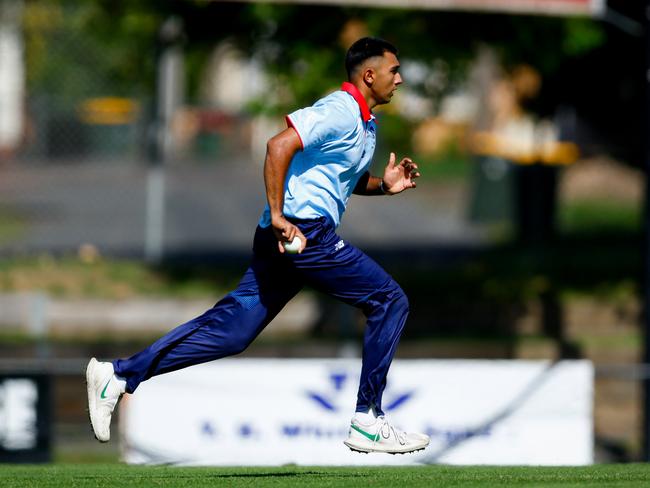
279	151
397	178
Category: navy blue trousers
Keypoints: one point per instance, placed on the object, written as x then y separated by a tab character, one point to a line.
328	264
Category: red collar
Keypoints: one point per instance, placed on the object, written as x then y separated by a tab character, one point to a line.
356	94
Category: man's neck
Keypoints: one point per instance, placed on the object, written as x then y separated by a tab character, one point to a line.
365	91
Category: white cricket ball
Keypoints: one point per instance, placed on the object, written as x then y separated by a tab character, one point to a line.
292	247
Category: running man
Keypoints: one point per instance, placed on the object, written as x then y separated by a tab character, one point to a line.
311	170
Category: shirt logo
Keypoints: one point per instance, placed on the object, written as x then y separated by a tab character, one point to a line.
339	245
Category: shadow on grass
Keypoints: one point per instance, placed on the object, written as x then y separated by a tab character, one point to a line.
276	475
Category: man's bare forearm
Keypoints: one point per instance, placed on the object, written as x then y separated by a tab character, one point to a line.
279	152
275	173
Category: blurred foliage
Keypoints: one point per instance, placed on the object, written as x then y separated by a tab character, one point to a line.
305	46
451	164
598	217
115	42
93	48
74	50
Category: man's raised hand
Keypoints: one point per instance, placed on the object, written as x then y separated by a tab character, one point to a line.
399	177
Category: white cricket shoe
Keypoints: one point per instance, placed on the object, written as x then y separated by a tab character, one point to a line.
381	436
104	391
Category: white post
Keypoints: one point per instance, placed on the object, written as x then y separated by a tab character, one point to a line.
169	96
12	76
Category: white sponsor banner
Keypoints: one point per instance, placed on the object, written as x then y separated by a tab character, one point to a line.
280	411
18	414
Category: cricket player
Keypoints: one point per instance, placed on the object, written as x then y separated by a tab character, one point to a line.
311	170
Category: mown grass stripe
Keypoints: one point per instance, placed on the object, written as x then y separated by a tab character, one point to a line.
117	475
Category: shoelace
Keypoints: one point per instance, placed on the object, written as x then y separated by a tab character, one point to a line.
385	429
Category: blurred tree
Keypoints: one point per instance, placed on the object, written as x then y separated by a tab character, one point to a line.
74	50
304	44
303	47
297	41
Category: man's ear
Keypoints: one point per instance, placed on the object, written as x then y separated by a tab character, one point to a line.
369	76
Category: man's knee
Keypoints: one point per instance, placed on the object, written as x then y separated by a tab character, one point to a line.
236	343
399	300
232	326
239	345
391	297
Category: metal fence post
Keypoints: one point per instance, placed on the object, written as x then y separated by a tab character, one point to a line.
169	88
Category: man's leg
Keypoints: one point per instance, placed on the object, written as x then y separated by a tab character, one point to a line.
335	267
226	329
351	276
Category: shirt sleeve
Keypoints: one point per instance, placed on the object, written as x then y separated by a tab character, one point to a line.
319	123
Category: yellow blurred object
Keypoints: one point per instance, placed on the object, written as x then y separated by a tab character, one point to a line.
545	152
108	111
526	82
434	135
512	134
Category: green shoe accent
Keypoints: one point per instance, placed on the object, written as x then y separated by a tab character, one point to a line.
372	437
103	394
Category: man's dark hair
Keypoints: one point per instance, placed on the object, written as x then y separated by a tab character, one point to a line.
364	48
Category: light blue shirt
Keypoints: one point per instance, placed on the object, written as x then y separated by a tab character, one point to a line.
338	135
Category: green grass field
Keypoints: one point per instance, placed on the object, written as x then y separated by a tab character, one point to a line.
104	475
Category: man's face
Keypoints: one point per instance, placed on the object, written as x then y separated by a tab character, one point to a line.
386	77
